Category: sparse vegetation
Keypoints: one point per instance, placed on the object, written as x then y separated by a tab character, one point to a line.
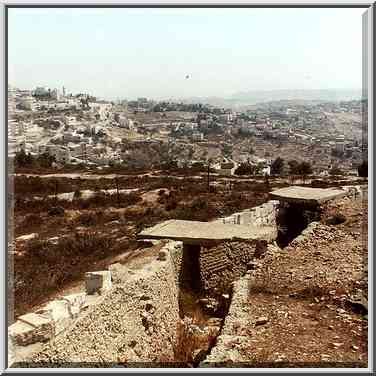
43	267
277	167
187	343
335	171
183	198
245	169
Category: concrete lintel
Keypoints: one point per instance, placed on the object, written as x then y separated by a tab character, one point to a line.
308	195
194	232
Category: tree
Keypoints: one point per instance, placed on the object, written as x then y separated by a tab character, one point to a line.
266	181
245	169
259	168
227	150
348	153
293	167
363	169
305	168
337	153
191	152
22	159
335	171
276	167
45	160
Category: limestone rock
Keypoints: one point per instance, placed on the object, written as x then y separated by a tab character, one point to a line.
261	320
32	328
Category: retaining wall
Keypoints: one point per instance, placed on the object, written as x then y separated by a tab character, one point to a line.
233	336
223	263
175	249
135	324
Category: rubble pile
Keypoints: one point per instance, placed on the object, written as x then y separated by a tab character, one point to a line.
304	305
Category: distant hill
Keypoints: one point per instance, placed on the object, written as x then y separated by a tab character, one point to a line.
259	96
252	97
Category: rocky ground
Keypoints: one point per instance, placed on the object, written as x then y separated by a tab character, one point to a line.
132	323
307	303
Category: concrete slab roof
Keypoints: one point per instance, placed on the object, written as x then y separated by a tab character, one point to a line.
306	194
194	232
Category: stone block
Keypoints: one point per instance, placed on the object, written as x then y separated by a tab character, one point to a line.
11	351
261	320
76	302
59	312
32	328
63	310
97	282
27	237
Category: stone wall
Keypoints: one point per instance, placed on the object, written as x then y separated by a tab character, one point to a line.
223	263
305	233
356	191
262	215
176	253
234	329
134	324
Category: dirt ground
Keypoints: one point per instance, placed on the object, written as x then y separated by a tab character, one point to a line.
306	292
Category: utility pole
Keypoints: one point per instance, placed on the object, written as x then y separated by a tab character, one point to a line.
85	155
208	175
267	180
117	191
56	183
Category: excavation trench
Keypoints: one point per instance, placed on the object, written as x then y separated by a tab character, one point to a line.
293	218
202	313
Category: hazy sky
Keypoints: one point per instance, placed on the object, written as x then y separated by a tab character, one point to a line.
126	53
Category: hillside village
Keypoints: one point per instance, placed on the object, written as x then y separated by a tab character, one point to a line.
81	130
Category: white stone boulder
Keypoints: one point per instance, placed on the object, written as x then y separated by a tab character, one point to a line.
27	237
63	310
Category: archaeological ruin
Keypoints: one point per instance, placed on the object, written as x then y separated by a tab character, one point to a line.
128	315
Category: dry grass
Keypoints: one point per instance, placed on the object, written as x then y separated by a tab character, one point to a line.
97	217
99	200
187	343
44	267
188	307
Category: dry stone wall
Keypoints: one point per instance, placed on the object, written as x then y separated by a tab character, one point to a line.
175	249
223	263
234	330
